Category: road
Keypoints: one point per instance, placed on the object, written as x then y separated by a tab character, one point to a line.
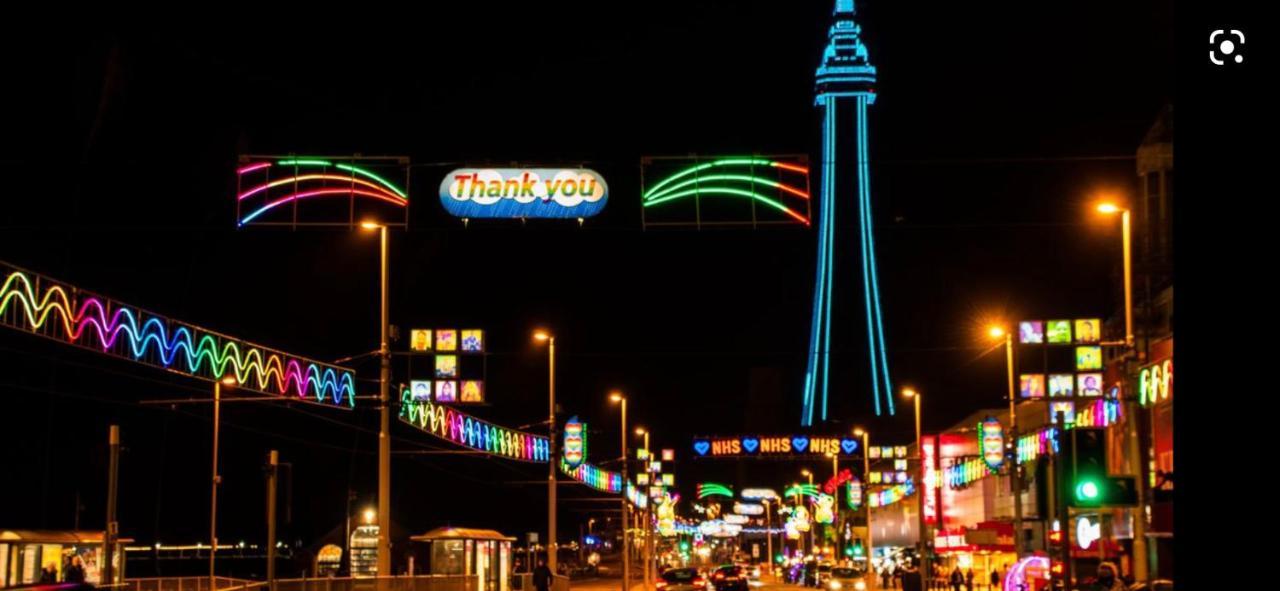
616	585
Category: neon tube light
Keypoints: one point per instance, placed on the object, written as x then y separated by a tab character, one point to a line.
707	489
319	193
724	162
803	490
601	480
252	167
312	177
60	312
467	431
385	182
728	177
304	163
727	191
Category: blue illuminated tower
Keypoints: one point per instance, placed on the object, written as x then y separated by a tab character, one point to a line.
845	85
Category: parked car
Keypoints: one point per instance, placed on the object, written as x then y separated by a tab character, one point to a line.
729	578
682	579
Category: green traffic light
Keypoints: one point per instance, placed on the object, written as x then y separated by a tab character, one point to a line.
1087	491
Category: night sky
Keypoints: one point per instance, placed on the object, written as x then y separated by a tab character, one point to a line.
994	124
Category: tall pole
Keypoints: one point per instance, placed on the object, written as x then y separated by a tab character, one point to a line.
1140	566
648	529
768	537
552	546
273	466
866	503
113	528
922	491
1015	475
813	545
835	494
384	433
626	509
213	496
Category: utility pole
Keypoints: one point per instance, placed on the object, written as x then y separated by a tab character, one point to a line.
113	528
384	432
273	466
1015	476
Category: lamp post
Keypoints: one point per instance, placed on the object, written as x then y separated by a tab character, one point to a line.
618	398
552	546
922	487
866	501
384	408
1015	470
648	534
1140	566
213	494
812	544
835	505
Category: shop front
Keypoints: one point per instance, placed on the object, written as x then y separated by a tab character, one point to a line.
25	554
984	548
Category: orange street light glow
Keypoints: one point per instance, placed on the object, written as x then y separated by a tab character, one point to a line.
616	397
1108	208
908	392
995	332
541	336
229	381
640	431
370	225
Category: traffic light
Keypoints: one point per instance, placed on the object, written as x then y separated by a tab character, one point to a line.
684	546
1084	481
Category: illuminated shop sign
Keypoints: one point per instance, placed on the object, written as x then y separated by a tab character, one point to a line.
763	445
929	454
758	494
1155	383
748	509
832	484
523	193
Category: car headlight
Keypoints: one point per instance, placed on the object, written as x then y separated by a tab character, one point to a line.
860	586
835	584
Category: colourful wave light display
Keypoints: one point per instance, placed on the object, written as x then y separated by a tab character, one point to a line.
601	480
269	185
753	179
32	303
467	431
892	494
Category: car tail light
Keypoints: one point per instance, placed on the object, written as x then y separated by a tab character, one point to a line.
719	576
697	581
662	584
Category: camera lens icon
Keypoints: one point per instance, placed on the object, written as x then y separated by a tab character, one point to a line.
1226	45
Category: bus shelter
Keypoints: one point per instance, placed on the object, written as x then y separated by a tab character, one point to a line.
484	553
25	553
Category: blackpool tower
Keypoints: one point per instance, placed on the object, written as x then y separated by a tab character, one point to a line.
845	86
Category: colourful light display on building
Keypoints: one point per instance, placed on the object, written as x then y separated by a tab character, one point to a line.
1155	383
268	187
515	193
42	306
845	81
892	494
462	429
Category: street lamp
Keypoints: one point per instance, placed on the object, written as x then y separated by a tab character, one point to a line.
923	488
618	398
648	536
1140	566
230	382
384	407
866	501
1015	474
552	548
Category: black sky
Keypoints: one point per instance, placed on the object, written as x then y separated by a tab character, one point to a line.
994	123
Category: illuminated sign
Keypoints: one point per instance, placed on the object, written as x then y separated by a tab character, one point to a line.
992	442
824	509
321	191
758	494
514	193
748	509
467	431
1031	385
833	483
668	479
454	358
1088	330
1087	532
892	494
736	519
1155	383
762	445
929	452
1031	332
1089	357
668	455
853	493
964	473
575	442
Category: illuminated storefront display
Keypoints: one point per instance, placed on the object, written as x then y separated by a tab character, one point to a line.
764	445
467	431
57	311
515	193
575	442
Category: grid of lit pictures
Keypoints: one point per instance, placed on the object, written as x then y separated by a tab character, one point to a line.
1068	410
1062	385
1088	330
1089	384
450	368
1031	332
1058	331
1031	385
1089	357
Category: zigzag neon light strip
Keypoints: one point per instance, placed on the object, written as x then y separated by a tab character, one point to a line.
310	186
601	480
708	489
42	306
467	431
846	79
722	184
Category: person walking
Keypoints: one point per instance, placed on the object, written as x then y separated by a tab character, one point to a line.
912	579
968	579
542	576
957	579
995	579
1109	578
74	571
884	578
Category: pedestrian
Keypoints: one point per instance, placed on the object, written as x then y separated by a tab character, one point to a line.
1109	578
542	576
74	571
884	577
911	579
48	575
968	579
995	578
957	579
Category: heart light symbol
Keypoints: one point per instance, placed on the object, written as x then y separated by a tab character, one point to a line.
751	444
701	447
849	445
800	443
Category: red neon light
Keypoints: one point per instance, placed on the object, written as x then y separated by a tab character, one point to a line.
310	177
792	167
320	193
793	191
253	167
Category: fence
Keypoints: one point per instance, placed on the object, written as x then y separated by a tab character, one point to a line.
406	583
180	584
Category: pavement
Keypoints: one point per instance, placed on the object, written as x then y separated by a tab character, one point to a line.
604	584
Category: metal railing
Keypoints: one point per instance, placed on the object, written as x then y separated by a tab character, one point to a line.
405	583
178	584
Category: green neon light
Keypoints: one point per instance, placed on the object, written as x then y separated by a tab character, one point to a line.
300	162
802	490
369	174
727	191
708	489
724	162
722	177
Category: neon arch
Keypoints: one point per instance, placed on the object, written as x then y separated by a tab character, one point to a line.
730	184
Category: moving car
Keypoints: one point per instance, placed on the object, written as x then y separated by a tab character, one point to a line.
682	579
729	578
844	578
